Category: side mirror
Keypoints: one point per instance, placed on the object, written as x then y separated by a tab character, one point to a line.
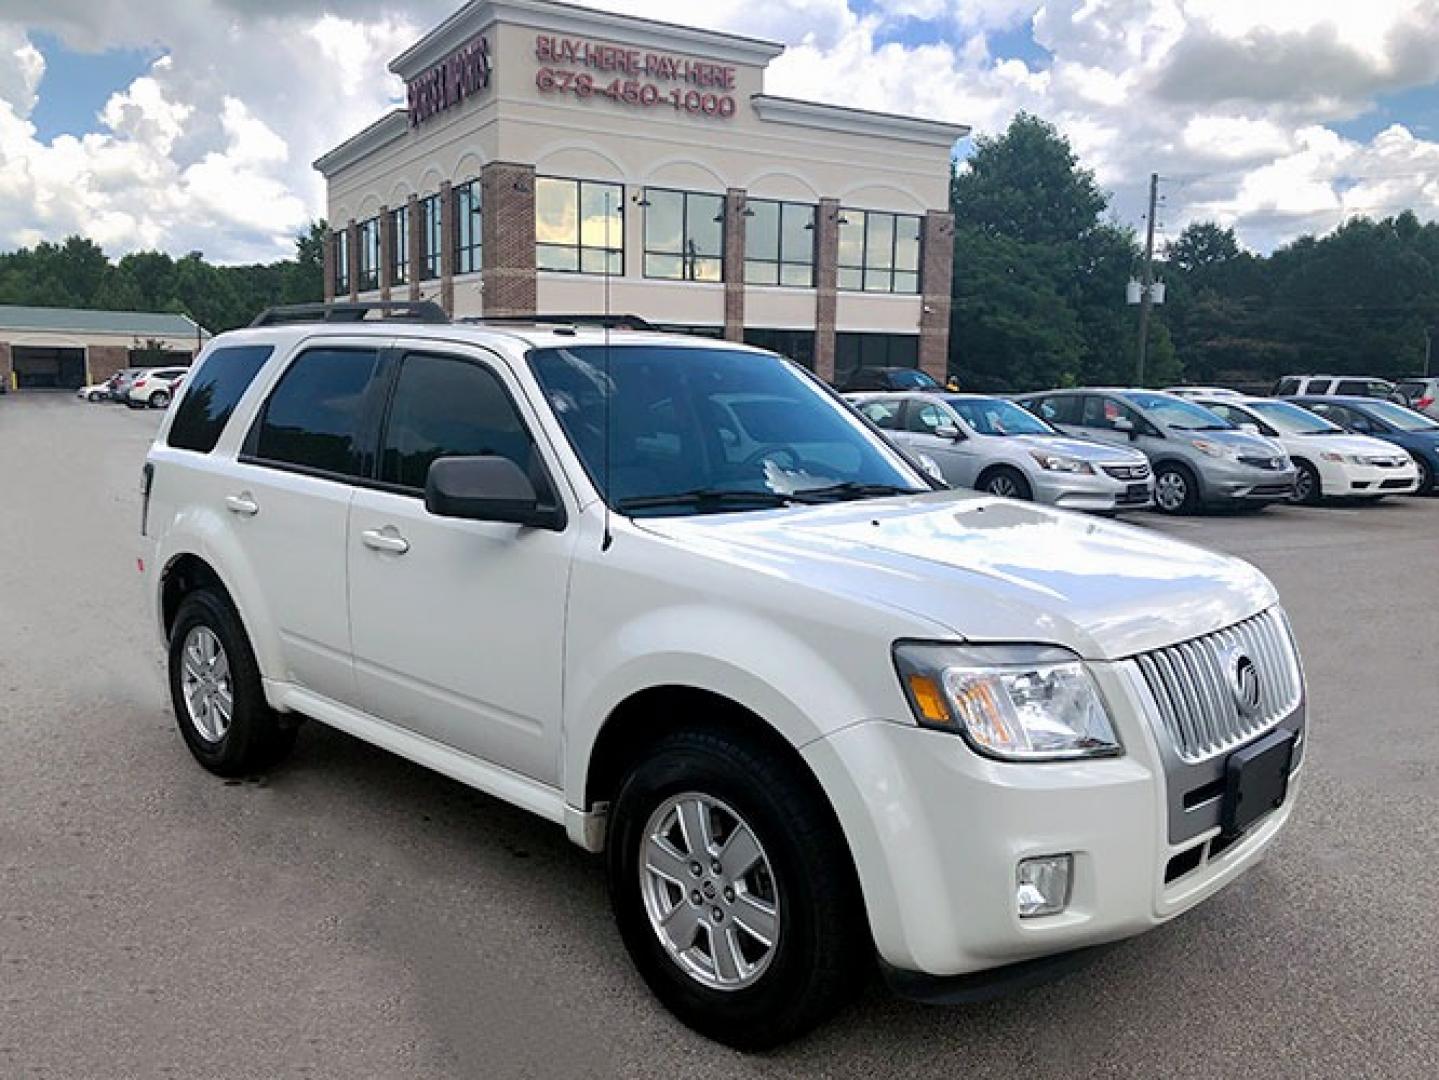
487	489
949	431
1126	425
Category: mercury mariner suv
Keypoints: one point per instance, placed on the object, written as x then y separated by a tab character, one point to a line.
677	597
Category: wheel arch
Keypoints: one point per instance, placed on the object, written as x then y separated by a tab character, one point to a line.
998	467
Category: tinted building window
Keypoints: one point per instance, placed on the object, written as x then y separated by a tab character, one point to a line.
878	252
342	262
445	407
312	419
400	251
370	255
431	238
467	228
798	345
579	226
875	350
213	394
779	243
684	235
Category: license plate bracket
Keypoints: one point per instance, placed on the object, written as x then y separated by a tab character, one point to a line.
1256	781
1137	493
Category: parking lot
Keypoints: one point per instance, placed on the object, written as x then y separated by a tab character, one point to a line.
353	915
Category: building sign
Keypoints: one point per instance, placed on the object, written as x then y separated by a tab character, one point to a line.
458	77
634	78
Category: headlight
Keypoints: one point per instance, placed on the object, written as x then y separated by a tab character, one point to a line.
1213	449
929	465
1060	462
1013	702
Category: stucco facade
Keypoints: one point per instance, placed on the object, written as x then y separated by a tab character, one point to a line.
519	94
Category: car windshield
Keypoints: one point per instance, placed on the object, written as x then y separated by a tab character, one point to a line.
996	416
1177	413
912	380
1397	416
1290	419
705	430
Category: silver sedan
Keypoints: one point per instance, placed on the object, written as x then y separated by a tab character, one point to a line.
993	445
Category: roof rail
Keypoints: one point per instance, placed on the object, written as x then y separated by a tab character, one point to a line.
415	311
614	322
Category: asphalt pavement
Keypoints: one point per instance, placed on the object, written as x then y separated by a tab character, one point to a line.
353	916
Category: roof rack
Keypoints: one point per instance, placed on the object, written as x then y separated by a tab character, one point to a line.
415	311
613	322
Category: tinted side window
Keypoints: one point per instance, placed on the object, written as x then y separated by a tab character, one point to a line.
1064	409
1358	387
312	419
1286	387
925	418
446	407
1335	413
1319	386
884	414
203	412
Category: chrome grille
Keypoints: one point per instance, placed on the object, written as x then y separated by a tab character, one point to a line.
1272	464
1128	472
1192	685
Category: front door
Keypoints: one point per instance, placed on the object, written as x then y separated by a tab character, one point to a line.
956	457
458	626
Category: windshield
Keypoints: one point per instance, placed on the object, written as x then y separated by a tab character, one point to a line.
912	379
1397	416
1290	419
1177	413
702	430
996	416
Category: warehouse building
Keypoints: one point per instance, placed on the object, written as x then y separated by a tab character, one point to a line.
555	159
67	348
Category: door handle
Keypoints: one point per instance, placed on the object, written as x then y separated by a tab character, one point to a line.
386	539
243	504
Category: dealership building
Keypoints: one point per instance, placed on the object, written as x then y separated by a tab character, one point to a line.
556	159
45	348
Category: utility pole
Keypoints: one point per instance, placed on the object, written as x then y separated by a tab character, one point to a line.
1145	302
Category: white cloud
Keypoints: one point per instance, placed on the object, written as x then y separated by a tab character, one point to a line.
1236	100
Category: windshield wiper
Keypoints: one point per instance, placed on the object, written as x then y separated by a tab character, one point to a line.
849	489
702	498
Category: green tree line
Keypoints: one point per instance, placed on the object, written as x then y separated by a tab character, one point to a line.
1040	271
77	274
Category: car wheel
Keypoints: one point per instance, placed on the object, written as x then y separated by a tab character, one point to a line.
1426	478
733	890
1007	483
1176	491
1307	486
216	692
159	399
97	398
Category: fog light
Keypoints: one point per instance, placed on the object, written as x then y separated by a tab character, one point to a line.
1043	885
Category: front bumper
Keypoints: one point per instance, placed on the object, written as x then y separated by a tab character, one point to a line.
937	832
1347	479
1094	492
1232	482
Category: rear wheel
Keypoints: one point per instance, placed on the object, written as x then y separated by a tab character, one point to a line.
1426	477
1307	487
159	399
733	890
216	693
1007	483
96	396
1176	491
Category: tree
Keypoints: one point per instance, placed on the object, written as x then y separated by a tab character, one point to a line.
1201	247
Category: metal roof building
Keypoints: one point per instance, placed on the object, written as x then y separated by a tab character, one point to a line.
44	348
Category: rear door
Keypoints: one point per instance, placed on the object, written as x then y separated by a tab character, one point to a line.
288	501
459	625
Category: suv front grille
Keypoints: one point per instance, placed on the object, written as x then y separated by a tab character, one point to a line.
1193	684
1128	472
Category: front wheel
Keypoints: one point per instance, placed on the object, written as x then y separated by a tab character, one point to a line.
97	398
733	890
1308	489
1008	483
1426	478
1176	491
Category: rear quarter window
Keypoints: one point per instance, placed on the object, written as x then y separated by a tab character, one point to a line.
203	412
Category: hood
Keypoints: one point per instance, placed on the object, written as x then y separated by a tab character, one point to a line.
1242	442
987	569
1079	448
1341	444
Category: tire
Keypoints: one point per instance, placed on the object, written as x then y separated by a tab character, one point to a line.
96	398
159	399
1007	483
820	944
254	737
1176	490
1308	489
1426	478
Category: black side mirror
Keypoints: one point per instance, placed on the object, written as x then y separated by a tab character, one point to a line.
488	488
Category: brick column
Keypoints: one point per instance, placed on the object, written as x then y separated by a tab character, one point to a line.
448	239
353	231
328	247
507	231
826	281
412	209
387	252
102	361
734	239
7	383
936	275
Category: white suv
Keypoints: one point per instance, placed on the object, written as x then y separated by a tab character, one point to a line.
674	595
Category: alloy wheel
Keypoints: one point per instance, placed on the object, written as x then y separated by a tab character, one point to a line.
1170	491
205	682
709	891
1004	486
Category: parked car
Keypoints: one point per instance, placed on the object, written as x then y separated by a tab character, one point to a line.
994	445
1340	385
1395	424
888	378
95	393
1202	392
1421	395
1330	461
808	705
155	388
1199	458
121	381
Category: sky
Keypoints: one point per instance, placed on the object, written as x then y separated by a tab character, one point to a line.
191	125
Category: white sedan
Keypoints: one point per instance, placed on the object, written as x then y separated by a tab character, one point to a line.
1331	461
97	392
